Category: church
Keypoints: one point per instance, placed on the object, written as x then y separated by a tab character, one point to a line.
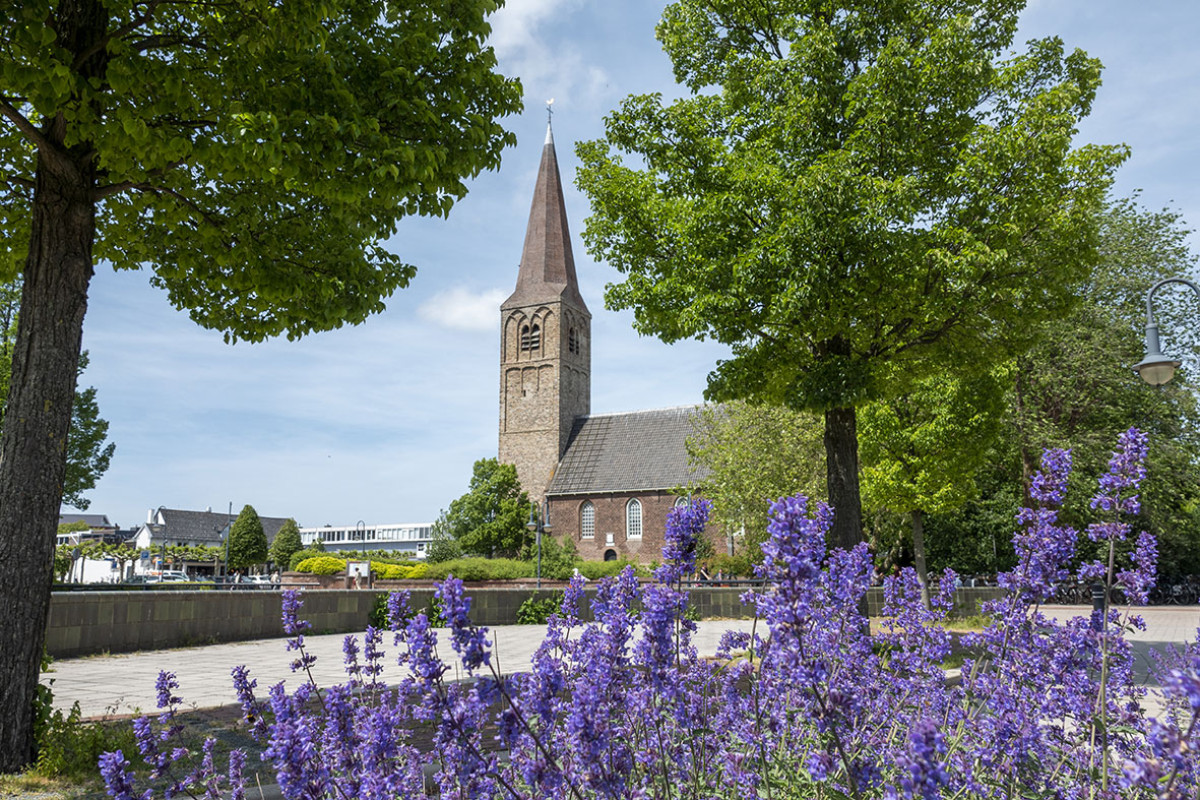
606	481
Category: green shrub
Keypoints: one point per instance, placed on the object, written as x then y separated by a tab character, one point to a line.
69	748
322	565
536	611
398	572
303	555
559	560
594	570
740	566
481	569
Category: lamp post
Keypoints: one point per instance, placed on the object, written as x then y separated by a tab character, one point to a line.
1156	368
537	525
361	527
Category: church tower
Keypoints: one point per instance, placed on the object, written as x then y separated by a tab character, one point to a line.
545	341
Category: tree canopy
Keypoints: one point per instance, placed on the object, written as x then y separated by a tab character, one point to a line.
247	540
489	520
752	456
852	196
254	156
286	542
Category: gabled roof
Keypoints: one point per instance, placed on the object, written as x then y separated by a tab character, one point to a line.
204	527
634	451
547	272
91	520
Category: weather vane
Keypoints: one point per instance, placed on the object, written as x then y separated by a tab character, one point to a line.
549	110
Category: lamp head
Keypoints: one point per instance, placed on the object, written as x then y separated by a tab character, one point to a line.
1155	369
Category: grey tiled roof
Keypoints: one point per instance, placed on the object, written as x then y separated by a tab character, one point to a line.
635	451
92	520
205	527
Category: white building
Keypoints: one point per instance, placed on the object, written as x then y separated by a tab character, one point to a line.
409	539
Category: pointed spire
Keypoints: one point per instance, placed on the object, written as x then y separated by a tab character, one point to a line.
547	272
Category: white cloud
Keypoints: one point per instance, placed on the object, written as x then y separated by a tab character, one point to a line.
464	310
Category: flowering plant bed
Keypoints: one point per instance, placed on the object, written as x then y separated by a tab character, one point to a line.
818	707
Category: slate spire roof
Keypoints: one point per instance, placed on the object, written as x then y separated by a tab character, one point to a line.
547	272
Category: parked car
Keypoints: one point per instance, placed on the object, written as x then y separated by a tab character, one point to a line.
262	580
173	576
141	579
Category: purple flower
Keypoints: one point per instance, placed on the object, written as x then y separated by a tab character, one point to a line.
468	641
118	782
685	526
292	624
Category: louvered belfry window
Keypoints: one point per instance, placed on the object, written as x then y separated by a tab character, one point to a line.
531	337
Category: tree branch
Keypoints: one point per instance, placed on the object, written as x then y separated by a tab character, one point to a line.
24	125
101	192
25	183
102	43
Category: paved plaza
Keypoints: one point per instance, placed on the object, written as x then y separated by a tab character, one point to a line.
124	684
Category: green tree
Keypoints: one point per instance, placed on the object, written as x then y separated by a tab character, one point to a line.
287	541
921	450
489	520
255	155
753	455
1075	388
88	456
443	546
853	196
247	541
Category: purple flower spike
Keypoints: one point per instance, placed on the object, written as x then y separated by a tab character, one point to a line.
163	687
468	640
1118	486
685	526
292	624
114	769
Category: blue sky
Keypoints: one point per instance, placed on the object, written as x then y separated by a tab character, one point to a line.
382	422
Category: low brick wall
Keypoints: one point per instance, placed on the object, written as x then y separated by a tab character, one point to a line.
86	623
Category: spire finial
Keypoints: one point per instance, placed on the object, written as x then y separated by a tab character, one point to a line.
549	121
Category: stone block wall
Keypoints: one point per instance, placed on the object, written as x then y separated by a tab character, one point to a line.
87	623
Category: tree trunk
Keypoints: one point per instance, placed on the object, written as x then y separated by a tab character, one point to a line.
918	533
841	476
34	440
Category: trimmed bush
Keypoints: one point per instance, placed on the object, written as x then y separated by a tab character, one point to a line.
594	570
481	569
322	565
398	572
303	555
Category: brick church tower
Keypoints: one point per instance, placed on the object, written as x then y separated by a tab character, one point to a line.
545	341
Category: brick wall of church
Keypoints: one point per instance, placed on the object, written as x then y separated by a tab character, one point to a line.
610	521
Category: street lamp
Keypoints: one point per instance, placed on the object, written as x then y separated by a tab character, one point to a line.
538	525
1156	368
361	527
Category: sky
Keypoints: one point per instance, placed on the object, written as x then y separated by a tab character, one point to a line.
382	422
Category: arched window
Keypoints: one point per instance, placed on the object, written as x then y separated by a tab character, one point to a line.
531	337
633	519
610	555
587	520
572	341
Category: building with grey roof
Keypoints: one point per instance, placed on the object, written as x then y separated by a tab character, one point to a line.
177	527
608	480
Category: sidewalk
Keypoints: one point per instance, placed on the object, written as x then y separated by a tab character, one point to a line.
124	684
